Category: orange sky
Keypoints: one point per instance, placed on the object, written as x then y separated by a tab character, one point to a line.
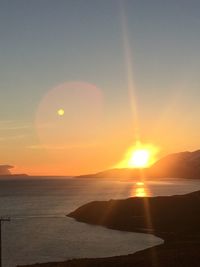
87	138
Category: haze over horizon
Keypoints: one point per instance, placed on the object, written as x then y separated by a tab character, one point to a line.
82	81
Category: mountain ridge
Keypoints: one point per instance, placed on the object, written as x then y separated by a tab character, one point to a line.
176	165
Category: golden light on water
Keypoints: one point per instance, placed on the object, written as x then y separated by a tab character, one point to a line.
139	156
61	112
139	183
140	192
140	189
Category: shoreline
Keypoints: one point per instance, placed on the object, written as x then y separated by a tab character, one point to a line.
175	219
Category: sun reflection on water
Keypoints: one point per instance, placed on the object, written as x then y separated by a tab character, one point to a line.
140	189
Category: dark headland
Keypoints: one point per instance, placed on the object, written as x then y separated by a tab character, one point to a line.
176	219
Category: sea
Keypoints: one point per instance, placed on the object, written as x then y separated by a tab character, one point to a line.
39	230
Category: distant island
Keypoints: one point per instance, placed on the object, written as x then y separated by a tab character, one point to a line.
5	171
176	165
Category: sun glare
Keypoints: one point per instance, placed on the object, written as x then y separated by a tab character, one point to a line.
139	156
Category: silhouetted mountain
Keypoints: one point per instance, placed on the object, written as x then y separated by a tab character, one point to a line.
114	173
177	165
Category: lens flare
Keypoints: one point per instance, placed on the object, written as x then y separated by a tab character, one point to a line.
68	124
61	112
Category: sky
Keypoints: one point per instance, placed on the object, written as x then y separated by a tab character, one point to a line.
120	70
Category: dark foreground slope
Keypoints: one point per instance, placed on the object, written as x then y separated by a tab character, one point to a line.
182	254
175	218
178	214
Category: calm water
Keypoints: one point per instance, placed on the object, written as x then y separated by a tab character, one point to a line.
40	232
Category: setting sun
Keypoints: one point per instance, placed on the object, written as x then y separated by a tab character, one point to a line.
139	159
139	156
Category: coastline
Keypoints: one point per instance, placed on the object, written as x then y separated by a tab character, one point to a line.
175	219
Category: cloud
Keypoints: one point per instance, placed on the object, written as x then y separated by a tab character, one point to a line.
48	147
14	137
16	127
60	147
6	121
7	125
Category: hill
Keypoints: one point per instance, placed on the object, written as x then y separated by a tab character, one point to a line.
166	214
177	165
